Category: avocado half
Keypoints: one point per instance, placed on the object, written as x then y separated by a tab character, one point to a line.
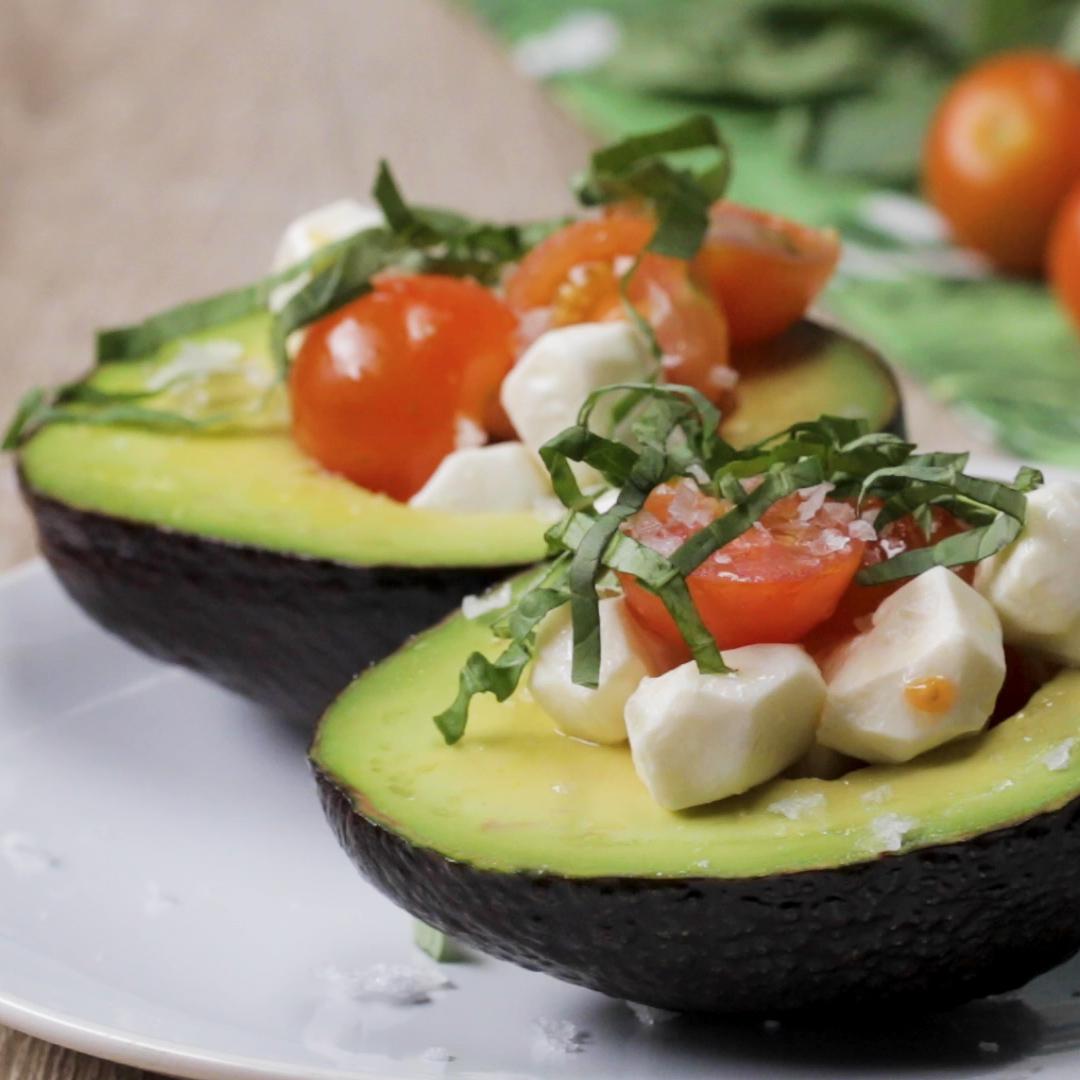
237	556
952	877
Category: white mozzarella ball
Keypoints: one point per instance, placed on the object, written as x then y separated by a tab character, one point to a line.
318	228
502	478
595	715
1034	584
697	738
927	671
546	388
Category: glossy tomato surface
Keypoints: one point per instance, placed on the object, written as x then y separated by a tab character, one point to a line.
763	270
573	276
1064	255
1003	152
385	387
857	605
774	583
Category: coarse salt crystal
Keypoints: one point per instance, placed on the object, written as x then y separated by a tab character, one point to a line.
890	830
560	1036
1057	757
797	806
393	984
813	499
862	530
472	607
877	795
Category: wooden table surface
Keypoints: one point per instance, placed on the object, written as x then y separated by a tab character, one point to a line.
152	152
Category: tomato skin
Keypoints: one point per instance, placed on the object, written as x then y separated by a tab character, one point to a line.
573	276
768	585
380	387
1063	261
859	602
763	270
1003	151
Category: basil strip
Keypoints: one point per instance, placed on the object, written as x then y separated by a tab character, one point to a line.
638	167
501	675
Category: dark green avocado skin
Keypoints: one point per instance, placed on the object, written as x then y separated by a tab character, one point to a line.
286	631
930	928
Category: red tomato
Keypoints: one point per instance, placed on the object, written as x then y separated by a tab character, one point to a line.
774	583
859	602
763	270
573	276
1002	153
381	387
1064	255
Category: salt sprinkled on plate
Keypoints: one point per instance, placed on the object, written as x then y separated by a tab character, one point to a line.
650	1015
1057	757
393	984
25	855
437	1054
797	806
560	1036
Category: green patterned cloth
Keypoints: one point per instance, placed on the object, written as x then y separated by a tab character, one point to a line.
1000	350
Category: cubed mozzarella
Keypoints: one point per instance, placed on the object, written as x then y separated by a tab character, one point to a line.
595	715
548	385
1034	584
314	230
697	738
502	478
928	670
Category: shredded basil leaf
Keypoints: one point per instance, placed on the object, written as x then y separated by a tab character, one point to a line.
673	433
641	167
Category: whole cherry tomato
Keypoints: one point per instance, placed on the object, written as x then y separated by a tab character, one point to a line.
1063	256
1003	152
762	269
385	387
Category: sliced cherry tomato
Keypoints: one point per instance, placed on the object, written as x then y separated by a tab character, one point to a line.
573	276
774	583
1064	255
859	602
383	389
1002	153
763	270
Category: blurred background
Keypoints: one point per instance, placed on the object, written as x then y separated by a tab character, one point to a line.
154	152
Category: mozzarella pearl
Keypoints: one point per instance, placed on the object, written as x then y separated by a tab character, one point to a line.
697	738
929	670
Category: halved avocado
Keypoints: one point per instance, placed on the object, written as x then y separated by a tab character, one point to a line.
948	878
236	555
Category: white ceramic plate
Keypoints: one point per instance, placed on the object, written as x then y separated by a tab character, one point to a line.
170	897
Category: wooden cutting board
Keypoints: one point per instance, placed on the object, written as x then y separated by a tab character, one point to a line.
152	152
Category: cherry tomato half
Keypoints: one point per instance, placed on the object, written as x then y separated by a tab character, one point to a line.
1002	153
573	276
774	583
762	269
852	614
1063	259
382	388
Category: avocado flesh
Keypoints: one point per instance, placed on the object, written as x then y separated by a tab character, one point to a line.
255	487
514	795
549	853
